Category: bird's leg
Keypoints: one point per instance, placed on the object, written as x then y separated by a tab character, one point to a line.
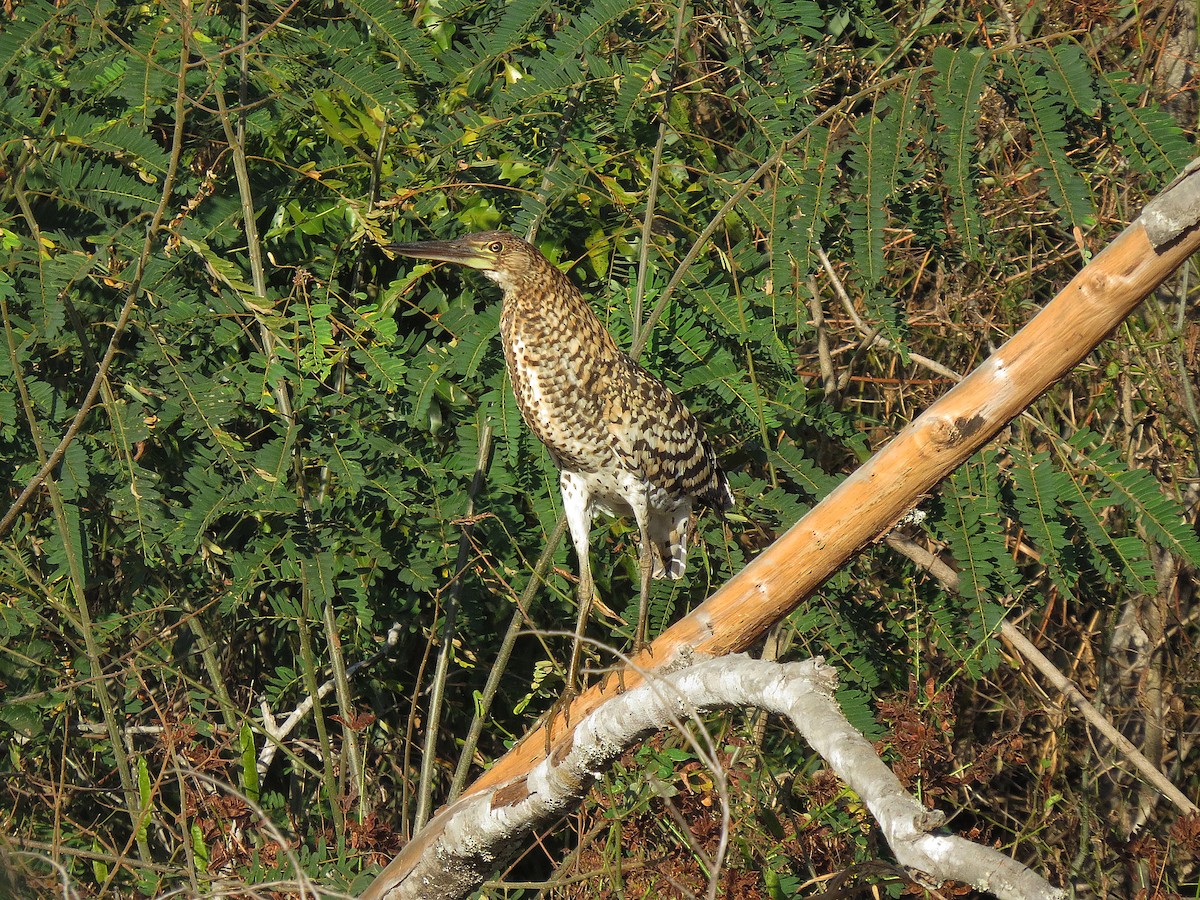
584	600
647	565
577	509
579	535
579	519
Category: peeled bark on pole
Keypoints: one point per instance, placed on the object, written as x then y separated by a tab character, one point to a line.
866	505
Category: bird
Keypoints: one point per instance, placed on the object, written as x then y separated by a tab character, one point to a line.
623	443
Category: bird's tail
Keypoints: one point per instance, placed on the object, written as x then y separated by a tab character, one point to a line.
669	532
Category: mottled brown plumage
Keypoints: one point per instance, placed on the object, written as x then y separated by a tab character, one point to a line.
624	444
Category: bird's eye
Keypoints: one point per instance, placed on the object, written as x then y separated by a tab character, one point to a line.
495	246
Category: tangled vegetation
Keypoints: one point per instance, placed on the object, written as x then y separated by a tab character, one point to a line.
253	460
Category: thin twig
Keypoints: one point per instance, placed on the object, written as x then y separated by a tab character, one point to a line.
574	98
949	580
1185	374
438	688
51	461
276	734
664	123
308	665
484	706
829	381
773	161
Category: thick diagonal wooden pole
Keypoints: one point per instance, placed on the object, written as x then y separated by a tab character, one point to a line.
868	503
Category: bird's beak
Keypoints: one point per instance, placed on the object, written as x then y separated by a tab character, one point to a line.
460	252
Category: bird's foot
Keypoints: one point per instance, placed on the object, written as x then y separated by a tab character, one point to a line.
638	647
559	713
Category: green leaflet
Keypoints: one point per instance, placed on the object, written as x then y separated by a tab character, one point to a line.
956	93
1043	109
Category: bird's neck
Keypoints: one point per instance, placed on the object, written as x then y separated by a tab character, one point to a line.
551	323
546	300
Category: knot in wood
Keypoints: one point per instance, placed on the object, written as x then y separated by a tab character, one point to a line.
946	433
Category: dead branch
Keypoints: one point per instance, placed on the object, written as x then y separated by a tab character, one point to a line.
475	836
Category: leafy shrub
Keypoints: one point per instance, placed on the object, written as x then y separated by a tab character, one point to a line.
264	432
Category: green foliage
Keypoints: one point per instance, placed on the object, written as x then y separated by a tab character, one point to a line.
957	93
279	462
1041	100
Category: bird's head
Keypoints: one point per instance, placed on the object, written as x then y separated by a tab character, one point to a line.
501	256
